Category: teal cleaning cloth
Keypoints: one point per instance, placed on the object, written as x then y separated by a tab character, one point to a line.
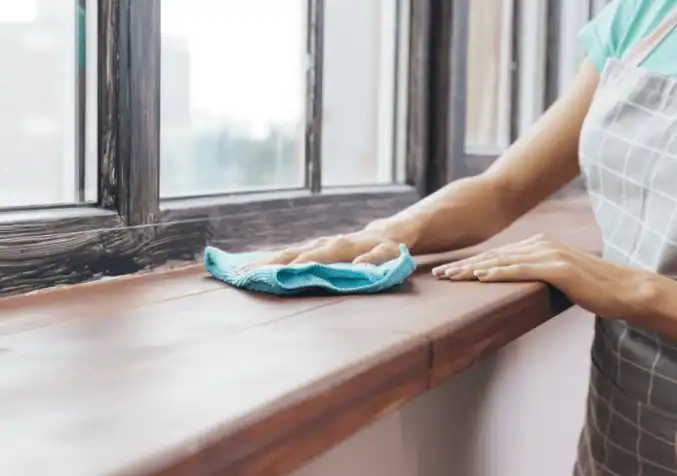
338	278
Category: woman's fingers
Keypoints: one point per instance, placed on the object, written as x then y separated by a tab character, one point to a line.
359	247
545	272
527	245
492	258
336	249
379	254
522	256
323	254
534	251
285	256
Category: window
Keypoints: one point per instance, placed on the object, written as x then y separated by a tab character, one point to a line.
234	95
47	128
139	132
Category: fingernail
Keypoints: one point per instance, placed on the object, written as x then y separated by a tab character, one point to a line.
452	272
480	273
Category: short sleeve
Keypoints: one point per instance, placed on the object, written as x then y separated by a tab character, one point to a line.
620	26
602	36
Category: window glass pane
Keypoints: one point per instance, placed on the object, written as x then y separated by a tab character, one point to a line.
233	96
361	84
43	145
489	85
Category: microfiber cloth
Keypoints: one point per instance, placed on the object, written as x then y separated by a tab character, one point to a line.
338	278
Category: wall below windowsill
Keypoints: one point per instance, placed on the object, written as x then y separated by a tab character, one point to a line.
515	412
173	373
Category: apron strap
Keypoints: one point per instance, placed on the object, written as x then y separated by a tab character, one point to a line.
642	50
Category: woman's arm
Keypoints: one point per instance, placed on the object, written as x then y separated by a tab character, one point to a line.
599	286
471	210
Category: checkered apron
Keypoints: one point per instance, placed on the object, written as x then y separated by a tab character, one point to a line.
628	156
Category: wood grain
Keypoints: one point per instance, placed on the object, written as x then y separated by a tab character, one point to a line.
147	410
139	90
75	246
129	230
491	328
281	443
108	106
174	374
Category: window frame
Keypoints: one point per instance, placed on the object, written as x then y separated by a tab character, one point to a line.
131	230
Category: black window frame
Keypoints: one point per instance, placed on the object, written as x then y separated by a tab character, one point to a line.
131	230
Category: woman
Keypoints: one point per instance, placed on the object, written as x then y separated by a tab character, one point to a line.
620	118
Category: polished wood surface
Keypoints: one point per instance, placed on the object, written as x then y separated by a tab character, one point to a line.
175	374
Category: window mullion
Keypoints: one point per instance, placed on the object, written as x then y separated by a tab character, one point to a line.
418	94
108	125
137	156
457	72
314	96
448	70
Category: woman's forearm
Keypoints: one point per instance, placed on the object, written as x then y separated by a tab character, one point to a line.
463	213
471	210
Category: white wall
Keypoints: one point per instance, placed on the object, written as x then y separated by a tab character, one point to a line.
515	413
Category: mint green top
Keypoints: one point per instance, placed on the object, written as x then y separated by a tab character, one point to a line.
622	24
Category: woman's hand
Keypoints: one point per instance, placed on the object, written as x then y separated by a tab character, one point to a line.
366	246
599	286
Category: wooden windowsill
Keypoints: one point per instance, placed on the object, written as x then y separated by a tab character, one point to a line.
175	374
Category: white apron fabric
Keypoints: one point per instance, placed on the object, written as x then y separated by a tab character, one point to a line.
628	156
